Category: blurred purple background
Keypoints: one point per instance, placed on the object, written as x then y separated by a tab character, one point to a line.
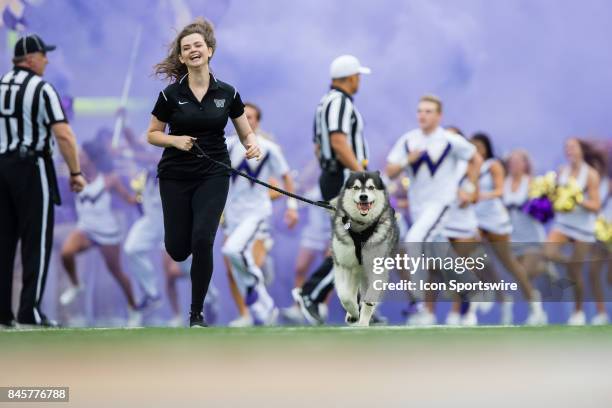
529	72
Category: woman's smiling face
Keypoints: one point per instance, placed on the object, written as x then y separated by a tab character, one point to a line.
194	51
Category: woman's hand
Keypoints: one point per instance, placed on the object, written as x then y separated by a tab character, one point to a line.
253	151
252	148
184	143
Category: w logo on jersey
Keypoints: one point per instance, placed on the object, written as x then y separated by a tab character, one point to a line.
244	167
219	103
425	159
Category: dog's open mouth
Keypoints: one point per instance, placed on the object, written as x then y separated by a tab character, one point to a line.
364	208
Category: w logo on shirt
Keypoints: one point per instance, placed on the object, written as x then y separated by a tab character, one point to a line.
219	103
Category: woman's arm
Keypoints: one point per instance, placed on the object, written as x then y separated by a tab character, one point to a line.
156	135
247	137
497	173
592	203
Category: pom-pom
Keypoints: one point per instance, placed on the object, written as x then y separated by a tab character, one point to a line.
138	185
539	208
603	231
568	196
543	186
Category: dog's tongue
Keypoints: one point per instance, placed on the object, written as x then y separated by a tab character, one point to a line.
364	206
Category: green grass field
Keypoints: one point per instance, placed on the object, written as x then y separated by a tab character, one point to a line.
306	366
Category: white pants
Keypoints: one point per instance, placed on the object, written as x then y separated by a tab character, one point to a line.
238	248
146	234
428	224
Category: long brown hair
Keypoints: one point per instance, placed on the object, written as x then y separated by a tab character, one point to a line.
171	67
593	156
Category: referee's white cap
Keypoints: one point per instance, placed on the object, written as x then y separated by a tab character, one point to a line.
347	65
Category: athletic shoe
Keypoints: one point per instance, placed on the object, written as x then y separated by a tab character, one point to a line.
309	309
242	321
507	312
453	319
537	316
272	318
45	322
470	319
577	318
134	318
485	307
196	320
422	318
176	321
292	314
71	293
600	319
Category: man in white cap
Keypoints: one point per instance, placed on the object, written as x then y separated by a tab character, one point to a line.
340	148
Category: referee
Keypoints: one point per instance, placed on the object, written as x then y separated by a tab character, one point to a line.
340	148
30	111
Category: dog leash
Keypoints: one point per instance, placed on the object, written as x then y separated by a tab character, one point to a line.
322	204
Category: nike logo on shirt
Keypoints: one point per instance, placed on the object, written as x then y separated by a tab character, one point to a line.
182	103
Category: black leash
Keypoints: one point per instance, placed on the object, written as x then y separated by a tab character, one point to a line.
322	204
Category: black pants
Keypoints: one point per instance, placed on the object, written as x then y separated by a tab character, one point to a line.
321	282
26	215
192	210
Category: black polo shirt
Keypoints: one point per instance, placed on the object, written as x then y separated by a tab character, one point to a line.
206	120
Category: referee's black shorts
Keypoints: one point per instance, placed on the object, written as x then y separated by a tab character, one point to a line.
330	184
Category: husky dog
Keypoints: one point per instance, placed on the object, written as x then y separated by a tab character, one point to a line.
363	227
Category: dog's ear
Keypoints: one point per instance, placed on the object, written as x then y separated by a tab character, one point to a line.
378	180
350	180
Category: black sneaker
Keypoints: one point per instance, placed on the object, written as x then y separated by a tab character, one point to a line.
197	320
309	308
45	322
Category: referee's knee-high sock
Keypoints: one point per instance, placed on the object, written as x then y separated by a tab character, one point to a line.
319	277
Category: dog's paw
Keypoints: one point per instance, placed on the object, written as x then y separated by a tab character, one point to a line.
350	320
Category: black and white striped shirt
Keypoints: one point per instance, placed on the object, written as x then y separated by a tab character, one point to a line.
336	112
29	106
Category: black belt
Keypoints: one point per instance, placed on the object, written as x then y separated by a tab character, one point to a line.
25	153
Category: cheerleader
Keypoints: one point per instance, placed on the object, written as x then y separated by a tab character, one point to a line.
495	225
246	217
461	230
600	254
97	226
314	241
526	230
578	225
